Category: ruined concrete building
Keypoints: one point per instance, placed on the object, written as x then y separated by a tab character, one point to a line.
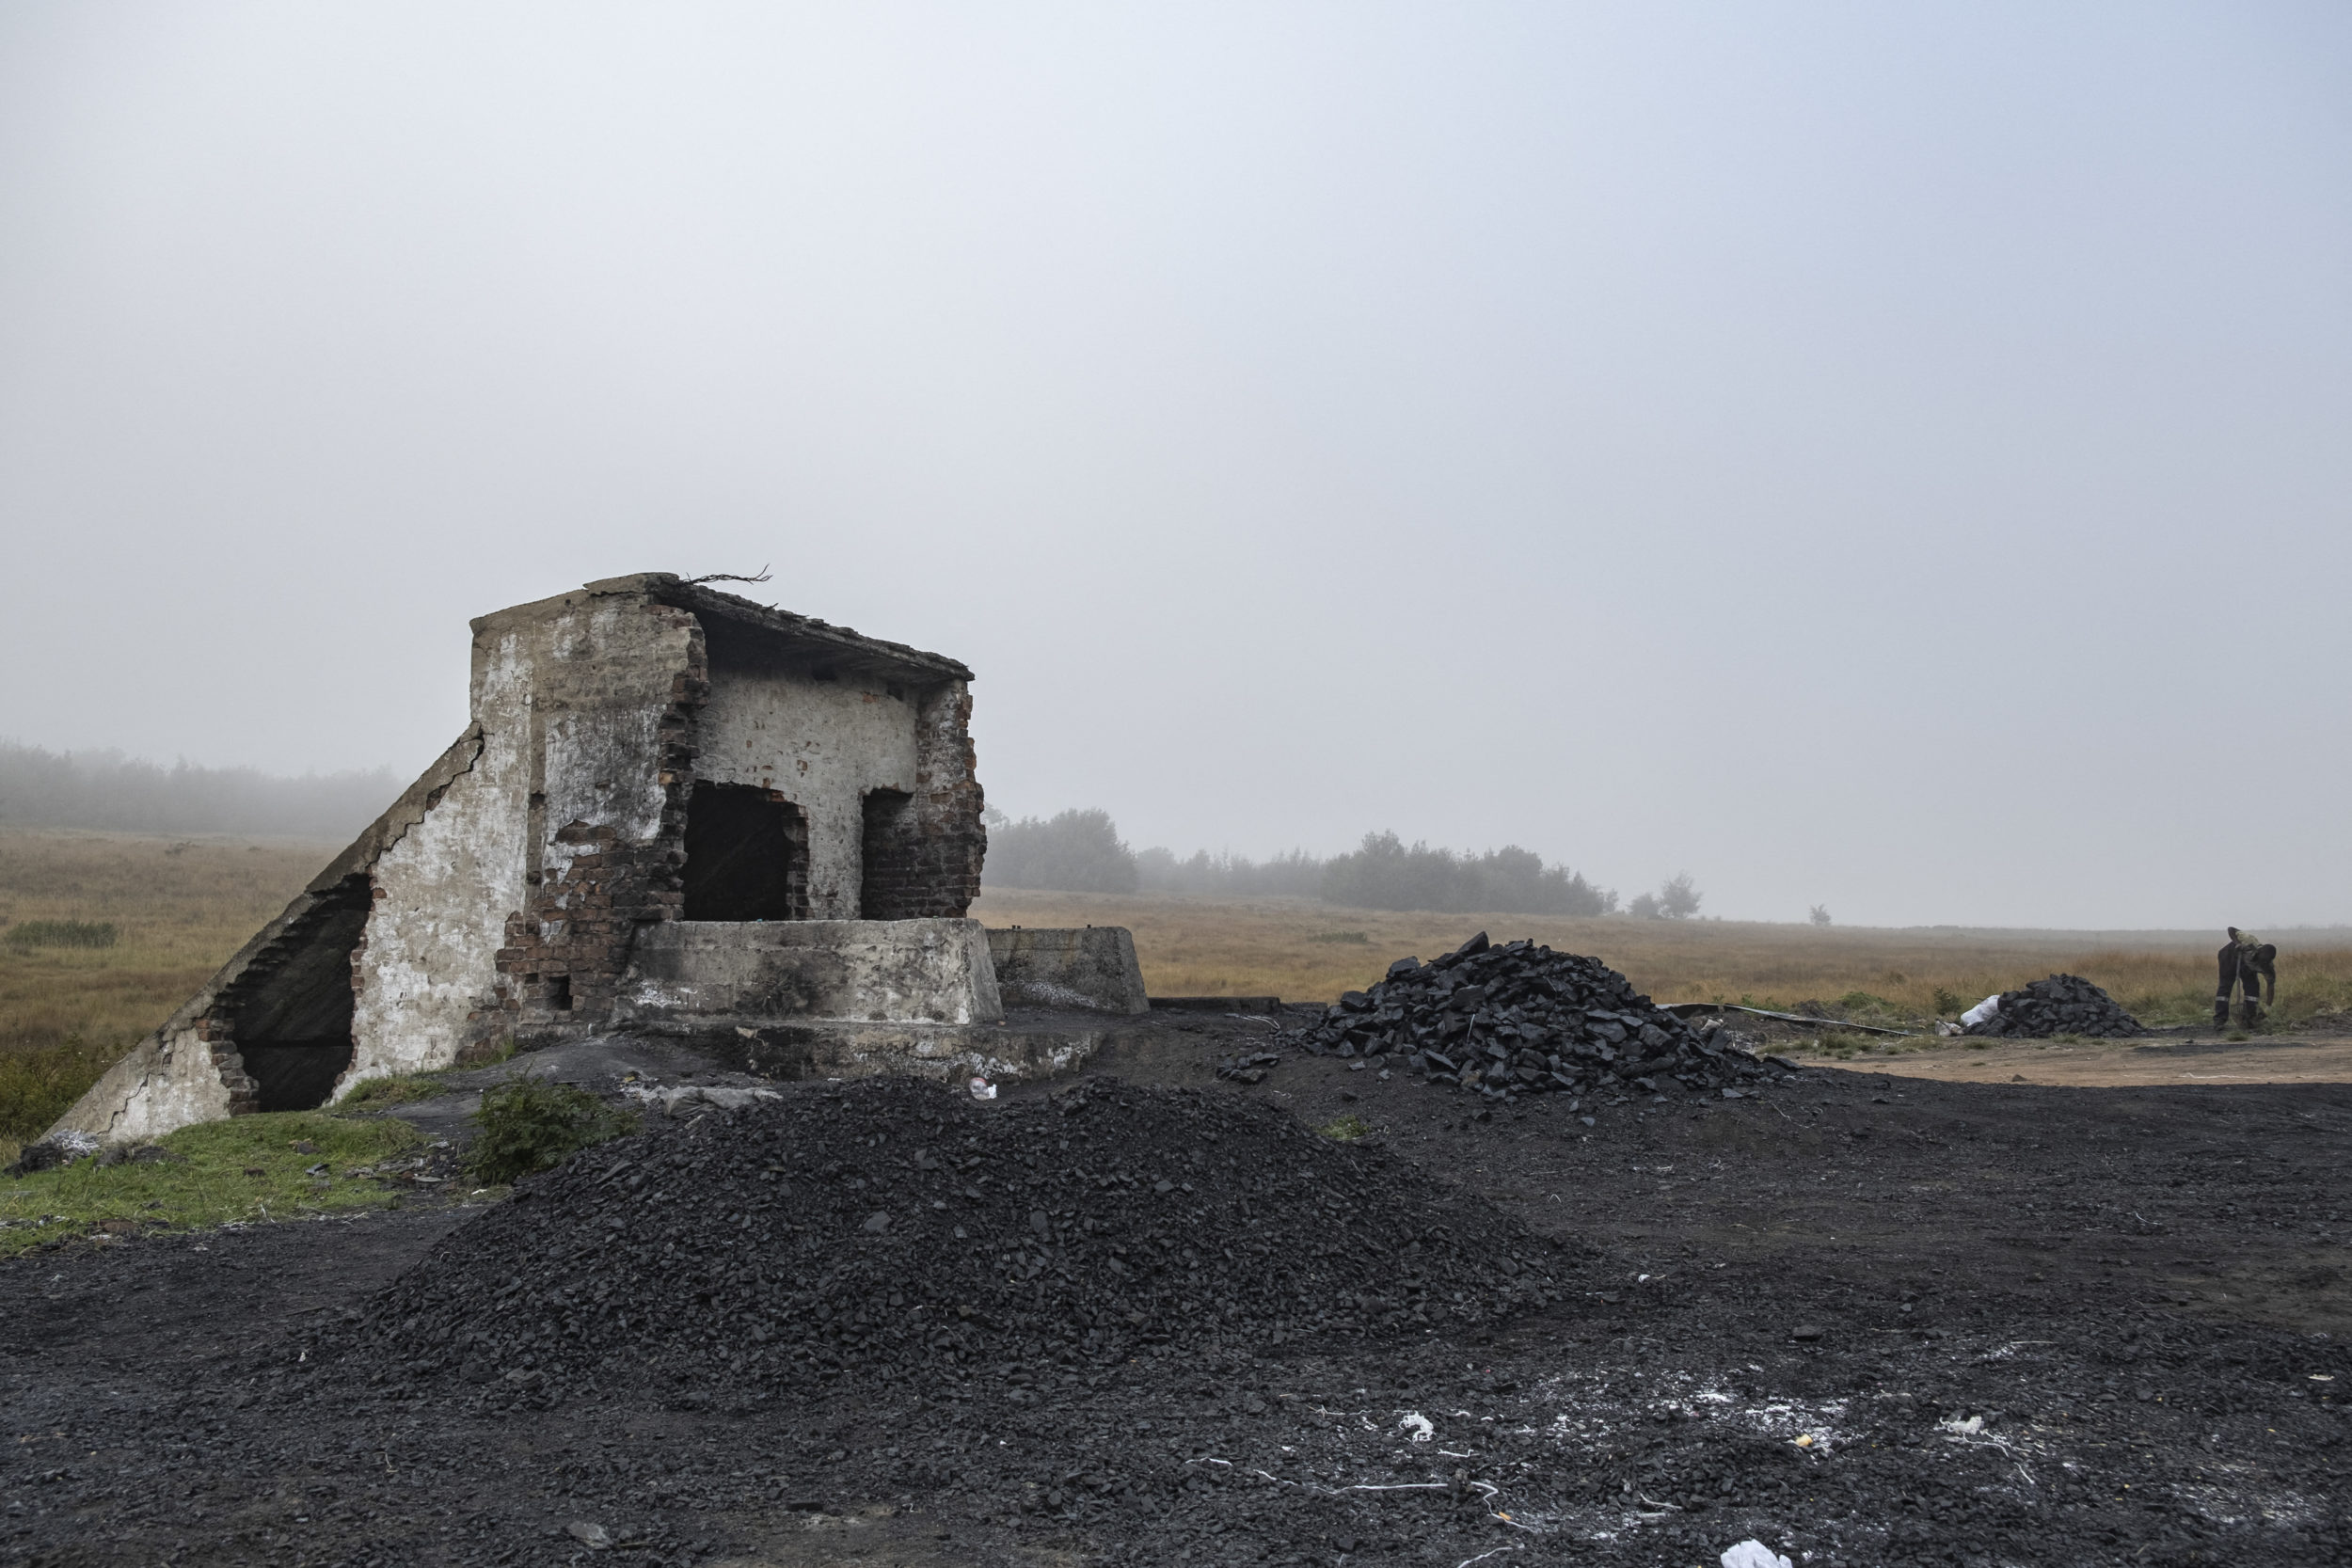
675	811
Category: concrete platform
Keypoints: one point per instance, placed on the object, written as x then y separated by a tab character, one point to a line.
857	998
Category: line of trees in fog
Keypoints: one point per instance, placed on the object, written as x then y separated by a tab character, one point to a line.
111	792
1080	851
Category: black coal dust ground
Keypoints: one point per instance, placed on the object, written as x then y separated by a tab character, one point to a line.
1861	1321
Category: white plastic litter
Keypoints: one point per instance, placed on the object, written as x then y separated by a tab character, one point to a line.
1753	1554
982	1088
1981	1011
76	1144
1417	1424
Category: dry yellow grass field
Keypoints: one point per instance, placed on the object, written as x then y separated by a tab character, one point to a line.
1301	950
181	906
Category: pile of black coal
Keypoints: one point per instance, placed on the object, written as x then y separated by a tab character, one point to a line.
890	1230
1520	1018
2061	1005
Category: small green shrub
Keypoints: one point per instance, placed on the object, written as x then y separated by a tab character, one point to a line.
1950	1004
528	1124
63	933
39	1085
1862	1001
1346	1130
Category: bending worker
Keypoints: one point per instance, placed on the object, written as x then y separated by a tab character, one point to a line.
2246	962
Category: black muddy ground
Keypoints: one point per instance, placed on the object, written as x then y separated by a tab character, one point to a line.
1866	1321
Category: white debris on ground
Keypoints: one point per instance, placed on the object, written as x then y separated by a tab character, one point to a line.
1586	1456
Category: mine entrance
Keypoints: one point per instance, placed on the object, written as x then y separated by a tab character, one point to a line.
886	882
292	1007
746	855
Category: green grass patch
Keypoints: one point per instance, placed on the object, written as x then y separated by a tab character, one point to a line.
1843	1044
63	933
401	1088
244	1169
1346	1130
528	1124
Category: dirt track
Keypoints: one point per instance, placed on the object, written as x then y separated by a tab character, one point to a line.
2122	1064
1783	1316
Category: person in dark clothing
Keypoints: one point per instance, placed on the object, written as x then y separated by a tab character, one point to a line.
2247	963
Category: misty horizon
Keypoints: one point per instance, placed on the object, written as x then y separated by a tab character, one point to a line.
1889	459
110	792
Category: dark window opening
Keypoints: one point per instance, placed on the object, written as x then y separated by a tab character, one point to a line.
559	993
293	1006
886	874
746	855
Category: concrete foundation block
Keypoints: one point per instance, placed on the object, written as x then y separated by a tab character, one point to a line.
1093	967
840	999
696	976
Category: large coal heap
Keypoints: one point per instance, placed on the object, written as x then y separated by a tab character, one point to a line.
894	1229
1520	1018
2061	1005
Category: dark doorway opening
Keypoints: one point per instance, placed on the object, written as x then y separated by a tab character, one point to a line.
295	1075
886	852
292	1007
746	855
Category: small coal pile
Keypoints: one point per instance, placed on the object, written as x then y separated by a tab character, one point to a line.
1520	1019
2061	1005
890	1229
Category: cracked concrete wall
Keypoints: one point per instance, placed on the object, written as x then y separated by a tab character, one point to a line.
603	710
427	971
929	861
710	972
822	745
190	1070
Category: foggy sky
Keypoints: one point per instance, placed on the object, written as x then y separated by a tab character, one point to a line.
1887	457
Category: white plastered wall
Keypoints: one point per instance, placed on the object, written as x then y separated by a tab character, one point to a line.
429	956
169	1082
821	745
